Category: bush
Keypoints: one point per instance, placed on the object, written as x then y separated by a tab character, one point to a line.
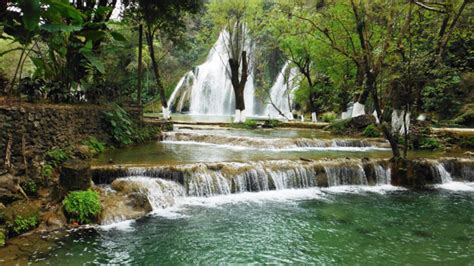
250	124
272	123
55	157
82	206
328	117
22	225
371	131
47	170
428	143
94	145
120	125
338	126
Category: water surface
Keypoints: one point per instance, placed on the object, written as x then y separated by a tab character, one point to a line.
294	226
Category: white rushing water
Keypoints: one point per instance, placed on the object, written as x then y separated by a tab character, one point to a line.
208	87
447	180
281	93
272	144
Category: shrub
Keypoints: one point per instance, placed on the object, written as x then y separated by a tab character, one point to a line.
55	157
428	143
82	206
371	131
328	117
120	125
47	170
338	126
272	123
250	124
96	146
22	225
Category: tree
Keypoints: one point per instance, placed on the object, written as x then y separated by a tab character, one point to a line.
165	19
235	18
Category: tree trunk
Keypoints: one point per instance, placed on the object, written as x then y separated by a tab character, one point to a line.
140	44
164	103
238	84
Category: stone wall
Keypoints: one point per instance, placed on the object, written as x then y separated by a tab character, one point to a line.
27	131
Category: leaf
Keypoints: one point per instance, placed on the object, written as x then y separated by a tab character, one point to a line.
118	37
93	35
66	9
10	50
95	61
31	14
60	28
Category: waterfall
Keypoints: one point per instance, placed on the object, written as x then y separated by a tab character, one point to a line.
440	171
281	93
209	91
339	175
159	192
383	176
258	143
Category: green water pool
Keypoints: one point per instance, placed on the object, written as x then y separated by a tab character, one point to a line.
299	226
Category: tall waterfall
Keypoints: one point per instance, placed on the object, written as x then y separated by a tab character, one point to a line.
208	88
281	93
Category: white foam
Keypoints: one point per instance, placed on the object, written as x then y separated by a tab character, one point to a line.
381	189
303	149
121	226
456	186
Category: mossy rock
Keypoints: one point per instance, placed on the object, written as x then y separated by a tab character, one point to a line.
20	217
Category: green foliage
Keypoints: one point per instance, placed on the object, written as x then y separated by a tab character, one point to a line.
338	127
96	146
30	187
47	170
57	156
328	117
82	206
443	92
21	224
250	124
120	125
371	131
271	123
467	142
124	131
429	143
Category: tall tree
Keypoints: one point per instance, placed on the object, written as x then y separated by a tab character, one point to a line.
165	19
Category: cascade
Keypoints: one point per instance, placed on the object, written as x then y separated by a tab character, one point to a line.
187	137
439	171
339	175
159	192
383	176
281	93
207	89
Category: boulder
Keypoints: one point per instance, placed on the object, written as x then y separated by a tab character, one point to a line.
75	175
16	215
360	122
10	189
118	206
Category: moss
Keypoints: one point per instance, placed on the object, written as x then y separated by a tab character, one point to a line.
82	206
55	157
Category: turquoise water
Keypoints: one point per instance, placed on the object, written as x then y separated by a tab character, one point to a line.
399	227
